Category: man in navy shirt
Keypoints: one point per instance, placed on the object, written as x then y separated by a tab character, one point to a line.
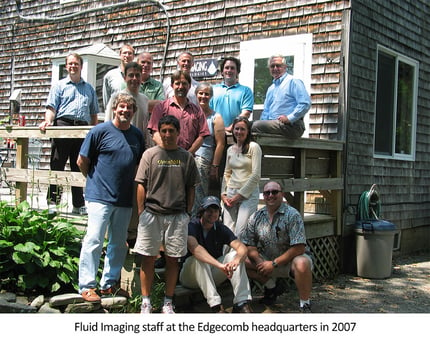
208	266
108	159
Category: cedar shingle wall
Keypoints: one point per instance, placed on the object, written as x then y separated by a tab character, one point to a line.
215	28
207	28
402	26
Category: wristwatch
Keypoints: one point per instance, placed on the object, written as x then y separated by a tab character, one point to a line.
274	264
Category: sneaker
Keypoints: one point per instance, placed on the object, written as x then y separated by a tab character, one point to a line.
168	308
146	308
243	308
115	291
80	210
90	295
306	309
269	297
218	309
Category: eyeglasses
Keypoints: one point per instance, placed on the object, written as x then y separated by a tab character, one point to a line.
276	66
271	192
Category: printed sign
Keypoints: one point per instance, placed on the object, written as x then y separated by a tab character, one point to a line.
204	68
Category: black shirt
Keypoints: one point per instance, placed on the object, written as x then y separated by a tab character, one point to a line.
214	241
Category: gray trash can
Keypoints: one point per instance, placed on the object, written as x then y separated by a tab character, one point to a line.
374	248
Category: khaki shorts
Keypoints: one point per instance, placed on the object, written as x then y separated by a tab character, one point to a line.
169	230
285	270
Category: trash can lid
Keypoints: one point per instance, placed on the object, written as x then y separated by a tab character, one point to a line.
375	225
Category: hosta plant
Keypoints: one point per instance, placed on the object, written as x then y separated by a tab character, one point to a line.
38	252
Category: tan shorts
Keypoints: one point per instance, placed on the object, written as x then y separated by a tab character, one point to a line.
169	230
285	270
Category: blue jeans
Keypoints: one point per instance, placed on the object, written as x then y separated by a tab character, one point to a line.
102	218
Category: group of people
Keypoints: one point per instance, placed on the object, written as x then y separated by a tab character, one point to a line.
148	168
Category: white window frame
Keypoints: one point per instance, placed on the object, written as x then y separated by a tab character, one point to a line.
299	46
415	64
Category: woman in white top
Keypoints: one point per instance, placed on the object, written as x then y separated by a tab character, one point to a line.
240	186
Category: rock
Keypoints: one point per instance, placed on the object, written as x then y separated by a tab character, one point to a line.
83	307
47	309
38	301
16	307
8	297
65	299
115	302
22	300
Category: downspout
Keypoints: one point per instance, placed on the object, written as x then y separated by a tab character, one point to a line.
158	3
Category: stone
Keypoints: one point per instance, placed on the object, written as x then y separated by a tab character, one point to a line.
22	300
8	297
38	301
47	309
114	302
11	307
65	299
83	307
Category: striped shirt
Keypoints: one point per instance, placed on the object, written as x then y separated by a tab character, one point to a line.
71	100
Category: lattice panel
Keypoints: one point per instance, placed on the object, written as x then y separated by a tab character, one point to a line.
326	252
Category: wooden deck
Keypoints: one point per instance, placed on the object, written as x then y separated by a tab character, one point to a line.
310	171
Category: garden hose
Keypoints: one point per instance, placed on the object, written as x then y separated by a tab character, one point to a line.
369	205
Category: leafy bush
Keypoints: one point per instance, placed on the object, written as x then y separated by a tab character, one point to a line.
38	252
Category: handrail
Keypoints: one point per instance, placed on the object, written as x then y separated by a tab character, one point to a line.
300	165
22	175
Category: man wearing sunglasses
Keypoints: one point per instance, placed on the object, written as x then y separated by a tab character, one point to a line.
275	236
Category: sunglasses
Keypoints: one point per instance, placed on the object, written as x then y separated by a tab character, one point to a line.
271	192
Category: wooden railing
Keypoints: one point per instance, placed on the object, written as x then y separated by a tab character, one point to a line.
22	175
310	171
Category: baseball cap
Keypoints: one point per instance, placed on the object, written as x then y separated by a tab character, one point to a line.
209	201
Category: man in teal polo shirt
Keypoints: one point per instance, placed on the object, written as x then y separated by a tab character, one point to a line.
231	98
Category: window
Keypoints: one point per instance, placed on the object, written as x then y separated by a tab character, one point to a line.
297	49
263	79
396	106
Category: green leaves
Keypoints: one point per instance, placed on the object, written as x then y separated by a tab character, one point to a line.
37	252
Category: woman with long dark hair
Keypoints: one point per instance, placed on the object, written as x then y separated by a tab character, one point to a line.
240	186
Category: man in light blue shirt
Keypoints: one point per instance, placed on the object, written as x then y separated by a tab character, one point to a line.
231	98
287	102
71	102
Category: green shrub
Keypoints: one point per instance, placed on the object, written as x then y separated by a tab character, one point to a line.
38	252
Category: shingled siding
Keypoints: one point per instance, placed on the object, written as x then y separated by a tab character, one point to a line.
403	185
345	37
207	28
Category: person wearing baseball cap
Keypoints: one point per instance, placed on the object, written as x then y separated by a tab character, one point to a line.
206	267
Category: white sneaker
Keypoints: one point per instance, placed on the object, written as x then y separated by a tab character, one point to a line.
80	210
146	308
168	308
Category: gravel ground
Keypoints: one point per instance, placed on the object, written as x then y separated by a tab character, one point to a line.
406	291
